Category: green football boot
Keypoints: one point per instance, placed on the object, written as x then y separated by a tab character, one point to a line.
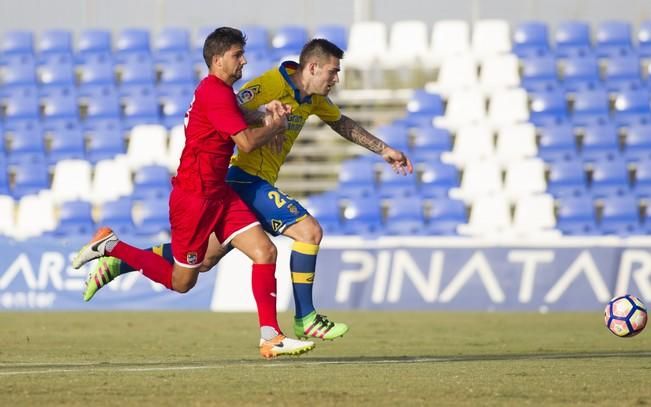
315	325
104	271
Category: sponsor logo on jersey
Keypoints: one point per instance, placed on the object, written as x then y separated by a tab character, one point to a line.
247	95
192	258
276	224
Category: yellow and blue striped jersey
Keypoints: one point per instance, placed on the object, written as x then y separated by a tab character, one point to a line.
276	84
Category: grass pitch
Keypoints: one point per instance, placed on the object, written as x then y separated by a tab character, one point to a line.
416	358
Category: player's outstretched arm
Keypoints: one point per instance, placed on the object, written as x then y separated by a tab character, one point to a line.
352	131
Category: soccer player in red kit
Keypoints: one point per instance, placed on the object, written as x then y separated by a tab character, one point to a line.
201	203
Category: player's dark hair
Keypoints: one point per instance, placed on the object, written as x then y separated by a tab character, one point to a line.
220	41
319	48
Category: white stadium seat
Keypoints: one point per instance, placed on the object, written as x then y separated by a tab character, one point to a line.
515	142
498	72
147	145
534	217
508	106
71	181
490	216
35	215
525	177
449	37
490	37
112	180
464	107
480	178
407	44
473	143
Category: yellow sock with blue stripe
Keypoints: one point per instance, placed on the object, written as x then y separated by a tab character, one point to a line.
302	263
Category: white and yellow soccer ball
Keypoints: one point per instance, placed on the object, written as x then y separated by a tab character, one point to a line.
625	316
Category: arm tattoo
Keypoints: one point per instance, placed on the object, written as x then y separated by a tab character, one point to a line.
253	117
352	131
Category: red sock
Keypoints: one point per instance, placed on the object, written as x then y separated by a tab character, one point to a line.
153	266
264	292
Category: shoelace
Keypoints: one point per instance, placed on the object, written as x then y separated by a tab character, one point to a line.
323	321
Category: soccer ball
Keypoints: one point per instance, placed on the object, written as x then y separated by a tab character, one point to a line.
625	316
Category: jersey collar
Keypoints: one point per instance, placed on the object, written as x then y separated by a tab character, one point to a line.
293	66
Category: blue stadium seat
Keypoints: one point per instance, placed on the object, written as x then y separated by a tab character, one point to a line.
197	45
548	107
172	44
257	41
117	215
613	39
335	33
437	178
17	42
325	208
26	145
173	90
428	144
152	182
141	110
539	73
174	110
405	216
591	107
599	139
104	144
130	42
154	218
75	219
620	216
94	41
623	73
531	39
55	46
288	40
363	216
101	109
356	178
642	184
567	179
57	75
644	39
445	216
557	143
4	175
576	216
637	147
632	107
21	108
11	92
19	71
182	73
140	71
257	64
393	185
66	145
422	107
581	73
609	178
395	135
29	178
573	39
58	109
96	74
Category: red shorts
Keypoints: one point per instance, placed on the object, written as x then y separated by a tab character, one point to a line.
193	218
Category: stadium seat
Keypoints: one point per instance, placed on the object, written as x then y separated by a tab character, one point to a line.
363	216
637	148
590	107
173	111
393	185
152	218
75	219
257	40
456	73
325	208
151	182
55	46
428	144
499	72
94	45
60	110
141	110
395	135
445	216
288	40
147	145
613	39
71	181
480	178
35	215
112	180
437	179
25	146
29	178
548	107
21	109
567	179
367	46
57	75
490	37
137	72
581	73
623	73
464	107
117	214
104	144
17	42
4	175
175	147
539	73
620	216
178	73
531	39
132	41
576	216
66	145
508	107
524	177
172	44
644	39
449	37
573	39
405	217
335	33
408	45
609	178
632	107
515	142
473	143
490	216
422	107
642	184
599	139
101	108
534	217
356	178
7	215
96	74
20	72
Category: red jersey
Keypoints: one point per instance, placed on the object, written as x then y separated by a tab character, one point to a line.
211	120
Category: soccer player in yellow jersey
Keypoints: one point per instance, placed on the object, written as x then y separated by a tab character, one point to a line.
304	87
